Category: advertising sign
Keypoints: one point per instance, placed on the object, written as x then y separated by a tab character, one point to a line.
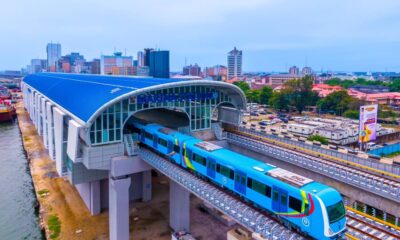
368	117
156	98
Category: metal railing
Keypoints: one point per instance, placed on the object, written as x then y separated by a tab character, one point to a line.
334	153
247	216
338	172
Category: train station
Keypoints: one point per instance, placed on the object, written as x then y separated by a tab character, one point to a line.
92	124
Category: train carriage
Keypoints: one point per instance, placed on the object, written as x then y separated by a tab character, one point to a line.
311	207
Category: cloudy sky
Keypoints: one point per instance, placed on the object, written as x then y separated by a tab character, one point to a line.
356	35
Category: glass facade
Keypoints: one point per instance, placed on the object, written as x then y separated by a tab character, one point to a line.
198	102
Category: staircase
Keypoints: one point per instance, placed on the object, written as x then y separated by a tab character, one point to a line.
131	144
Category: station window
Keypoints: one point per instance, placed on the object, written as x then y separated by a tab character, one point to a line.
199	159
295	204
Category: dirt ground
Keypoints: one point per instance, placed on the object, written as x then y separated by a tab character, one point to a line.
147	220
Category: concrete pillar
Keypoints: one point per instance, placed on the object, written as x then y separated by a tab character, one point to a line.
146	190
119	207
365	208
179	207
374	212
90	194
396	221
384	216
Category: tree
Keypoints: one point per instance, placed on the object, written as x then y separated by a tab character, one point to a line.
394	86
318	138
265	94
300	93
253	96
242	85
337	102
353	114
279	101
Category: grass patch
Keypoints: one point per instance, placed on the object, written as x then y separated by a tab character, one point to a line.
54	225
43	192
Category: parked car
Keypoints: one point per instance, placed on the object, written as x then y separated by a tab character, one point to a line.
254	114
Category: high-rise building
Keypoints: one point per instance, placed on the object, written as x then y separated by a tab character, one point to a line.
306	71
293	70
146	56
38	65
108	63
234	64
159	64
53	55
73	62
192	70
143	71
95	66
140	59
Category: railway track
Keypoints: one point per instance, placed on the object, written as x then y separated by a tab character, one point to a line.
361	226
387	184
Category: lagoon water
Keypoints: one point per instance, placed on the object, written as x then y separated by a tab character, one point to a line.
18	219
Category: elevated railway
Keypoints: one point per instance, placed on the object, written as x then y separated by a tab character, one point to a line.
375	181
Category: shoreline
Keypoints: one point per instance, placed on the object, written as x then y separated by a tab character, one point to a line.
62	213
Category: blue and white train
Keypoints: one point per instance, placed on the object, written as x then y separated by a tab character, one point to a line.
312	208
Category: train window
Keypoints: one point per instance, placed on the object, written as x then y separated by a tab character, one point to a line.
283	199
295	204
199	159
148	135
225	171
162	142
243	182
249	182
177	149
259	187
336	212
276	195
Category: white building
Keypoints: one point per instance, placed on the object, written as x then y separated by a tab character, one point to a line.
234	64
53	55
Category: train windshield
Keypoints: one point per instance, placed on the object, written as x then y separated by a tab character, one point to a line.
336	212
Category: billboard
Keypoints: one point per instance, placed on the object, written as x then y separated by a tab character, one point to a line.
368	117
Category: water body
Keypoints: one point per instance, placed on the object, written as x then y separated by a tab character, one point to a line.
18	219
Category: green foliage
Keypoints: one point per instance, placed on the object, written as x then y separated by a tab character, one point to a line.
318	138
394	86
353	114
391	155
265	94
242	85
279	101
54	226
347	83
336	102
43	192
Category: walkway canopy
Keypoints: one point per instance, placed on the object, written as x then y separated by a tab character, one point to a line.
104	103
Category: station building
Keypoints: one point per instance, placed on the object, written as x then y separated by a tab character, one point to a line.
83	120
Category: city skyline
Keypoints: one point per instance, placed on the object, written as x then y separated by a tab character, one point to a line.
356	36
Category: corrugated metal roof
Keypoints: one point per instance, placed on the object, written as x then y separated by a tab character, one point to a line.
83	94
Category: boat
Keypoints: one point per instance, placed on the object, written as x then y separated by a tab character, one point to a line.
7	111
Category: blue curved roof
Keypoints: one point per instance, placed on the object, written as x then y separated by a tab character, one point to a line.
83	94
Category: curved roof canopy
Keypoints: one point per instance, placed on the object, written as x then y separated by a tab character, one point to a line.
84	95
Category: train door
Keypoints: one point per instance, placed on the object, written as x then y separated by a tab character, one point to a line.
240	182
211	167
279	200
170	146
155	141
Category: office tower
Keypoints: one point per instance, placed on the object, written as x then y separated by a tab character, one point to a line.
294	70
146	57
53	55
95	66
234	64
140	59
192	70
108	63
306	71
38	65
159	64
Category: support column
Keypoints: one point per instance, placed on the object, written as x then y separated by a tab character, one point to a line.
179	207
119	207
146	189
